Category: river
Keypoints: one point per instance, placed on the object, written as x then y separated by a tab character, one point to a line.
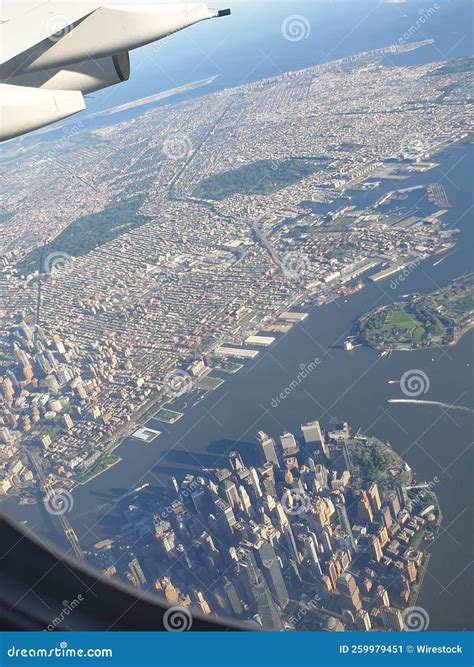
350	386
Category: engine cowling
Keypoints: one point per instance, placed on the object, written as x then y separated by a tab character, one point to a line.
88	76
25	109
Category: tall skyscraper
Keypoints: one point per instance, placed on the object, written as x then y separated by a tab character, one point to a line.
233	597
344	520
308	543
402	494
267	447
136	571
381	597
375	548
272	572
363	622
364	510
349	590
8	390
314	438
289	444
392	618
266	607
374	498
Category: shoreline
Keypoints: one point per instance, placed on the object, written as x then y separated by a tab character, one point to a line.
406	348
302	300
439	307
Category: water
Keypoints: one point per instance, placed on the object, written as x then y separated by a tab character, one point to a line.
250	45
351	386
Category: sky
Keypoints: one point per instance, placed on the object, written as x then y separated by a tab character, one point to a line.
269	37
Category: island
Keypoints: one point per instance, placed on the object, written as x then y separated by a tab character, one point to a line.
420	320
322	530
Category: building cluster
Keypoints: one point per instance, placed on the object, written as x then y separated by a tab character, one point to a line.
287	543
49	407
148	277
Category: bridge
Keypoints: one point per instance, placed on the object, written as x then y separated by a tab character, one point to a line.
49	495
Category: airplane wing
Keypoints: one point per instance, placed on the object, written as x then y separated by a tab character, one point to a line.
53	52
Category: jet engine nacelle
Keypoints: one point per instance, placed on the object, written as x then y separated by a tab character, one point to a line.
87	76
25	109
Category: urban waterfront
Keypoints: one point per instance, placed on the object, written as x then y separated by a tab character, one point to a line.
344	385
398	117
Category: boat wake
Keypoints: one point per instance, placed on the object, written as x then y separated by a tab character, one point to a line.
447	406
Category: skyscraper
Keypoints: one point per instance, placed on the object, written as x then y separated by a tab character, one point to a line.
314	437
364	510
350	595
344	520
267	446
392	618
264	604
375	548
289	444
374	498
271	569
363	622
